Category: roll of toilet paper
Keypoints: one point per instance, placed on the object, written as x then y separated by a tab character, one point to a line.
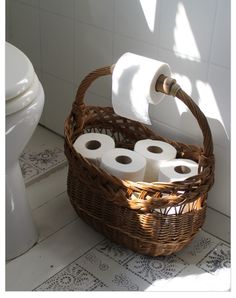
124	164
177	170
133	86
155	152
93	145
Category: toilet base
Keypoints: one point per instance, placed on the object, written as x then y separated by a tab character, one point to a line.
21	233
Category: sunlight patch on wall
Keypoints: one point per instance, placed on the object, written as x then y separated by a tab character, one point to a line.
208	104
149	10
185	45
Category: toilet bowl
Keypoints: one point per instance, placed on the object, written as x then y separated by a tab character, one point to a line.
24	105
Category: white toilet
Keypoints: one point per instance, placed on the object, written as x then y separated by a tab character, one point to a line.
24	105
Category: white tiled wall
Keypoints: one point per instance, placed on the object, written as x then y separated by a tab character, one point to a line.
66	39
182	22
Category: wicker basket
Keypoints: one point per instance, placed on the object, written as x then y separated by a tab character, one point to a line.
137	214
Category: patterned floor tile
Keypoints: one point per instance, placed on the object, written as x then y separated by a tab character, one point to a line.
114	251
72	278
218	258
44	158
36	163
29	172
198	248
110	270
154	268
124	281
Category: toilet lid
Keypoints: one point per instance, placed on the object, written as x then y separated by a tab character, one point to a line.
19	74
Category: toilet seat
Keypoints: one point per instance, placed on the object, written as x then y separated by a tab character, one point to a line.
23	100
22	84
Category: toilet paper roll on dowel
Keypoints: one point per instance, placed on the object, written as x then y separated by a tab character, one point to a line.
133	86
124	164
154	152
93	145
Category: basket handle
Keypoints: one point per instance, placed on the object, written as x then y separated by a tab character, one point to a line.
169	86
165	85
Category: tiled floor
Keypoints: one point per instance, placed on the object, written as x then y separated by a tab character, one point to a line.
71	256
107	266
42	155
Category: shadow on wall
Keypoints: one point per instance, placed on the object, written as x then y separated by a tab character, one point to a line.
188	46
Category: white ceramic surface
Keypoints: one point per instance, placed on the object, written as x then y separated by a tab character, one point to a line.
21	232
20	102
19	72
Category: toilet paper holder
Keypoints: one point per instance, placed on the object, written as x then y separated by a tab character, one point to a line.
165	85
121	209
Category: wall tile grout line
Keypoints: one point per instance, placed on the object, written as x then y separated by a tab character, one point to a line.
95	26
56	13
212	38
57	77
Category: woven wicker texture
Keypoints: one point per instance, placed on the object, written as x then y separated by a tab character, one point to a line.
149	218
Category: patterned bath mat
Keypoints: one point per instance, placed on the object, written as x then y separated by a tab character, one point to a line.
203	266
46	159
